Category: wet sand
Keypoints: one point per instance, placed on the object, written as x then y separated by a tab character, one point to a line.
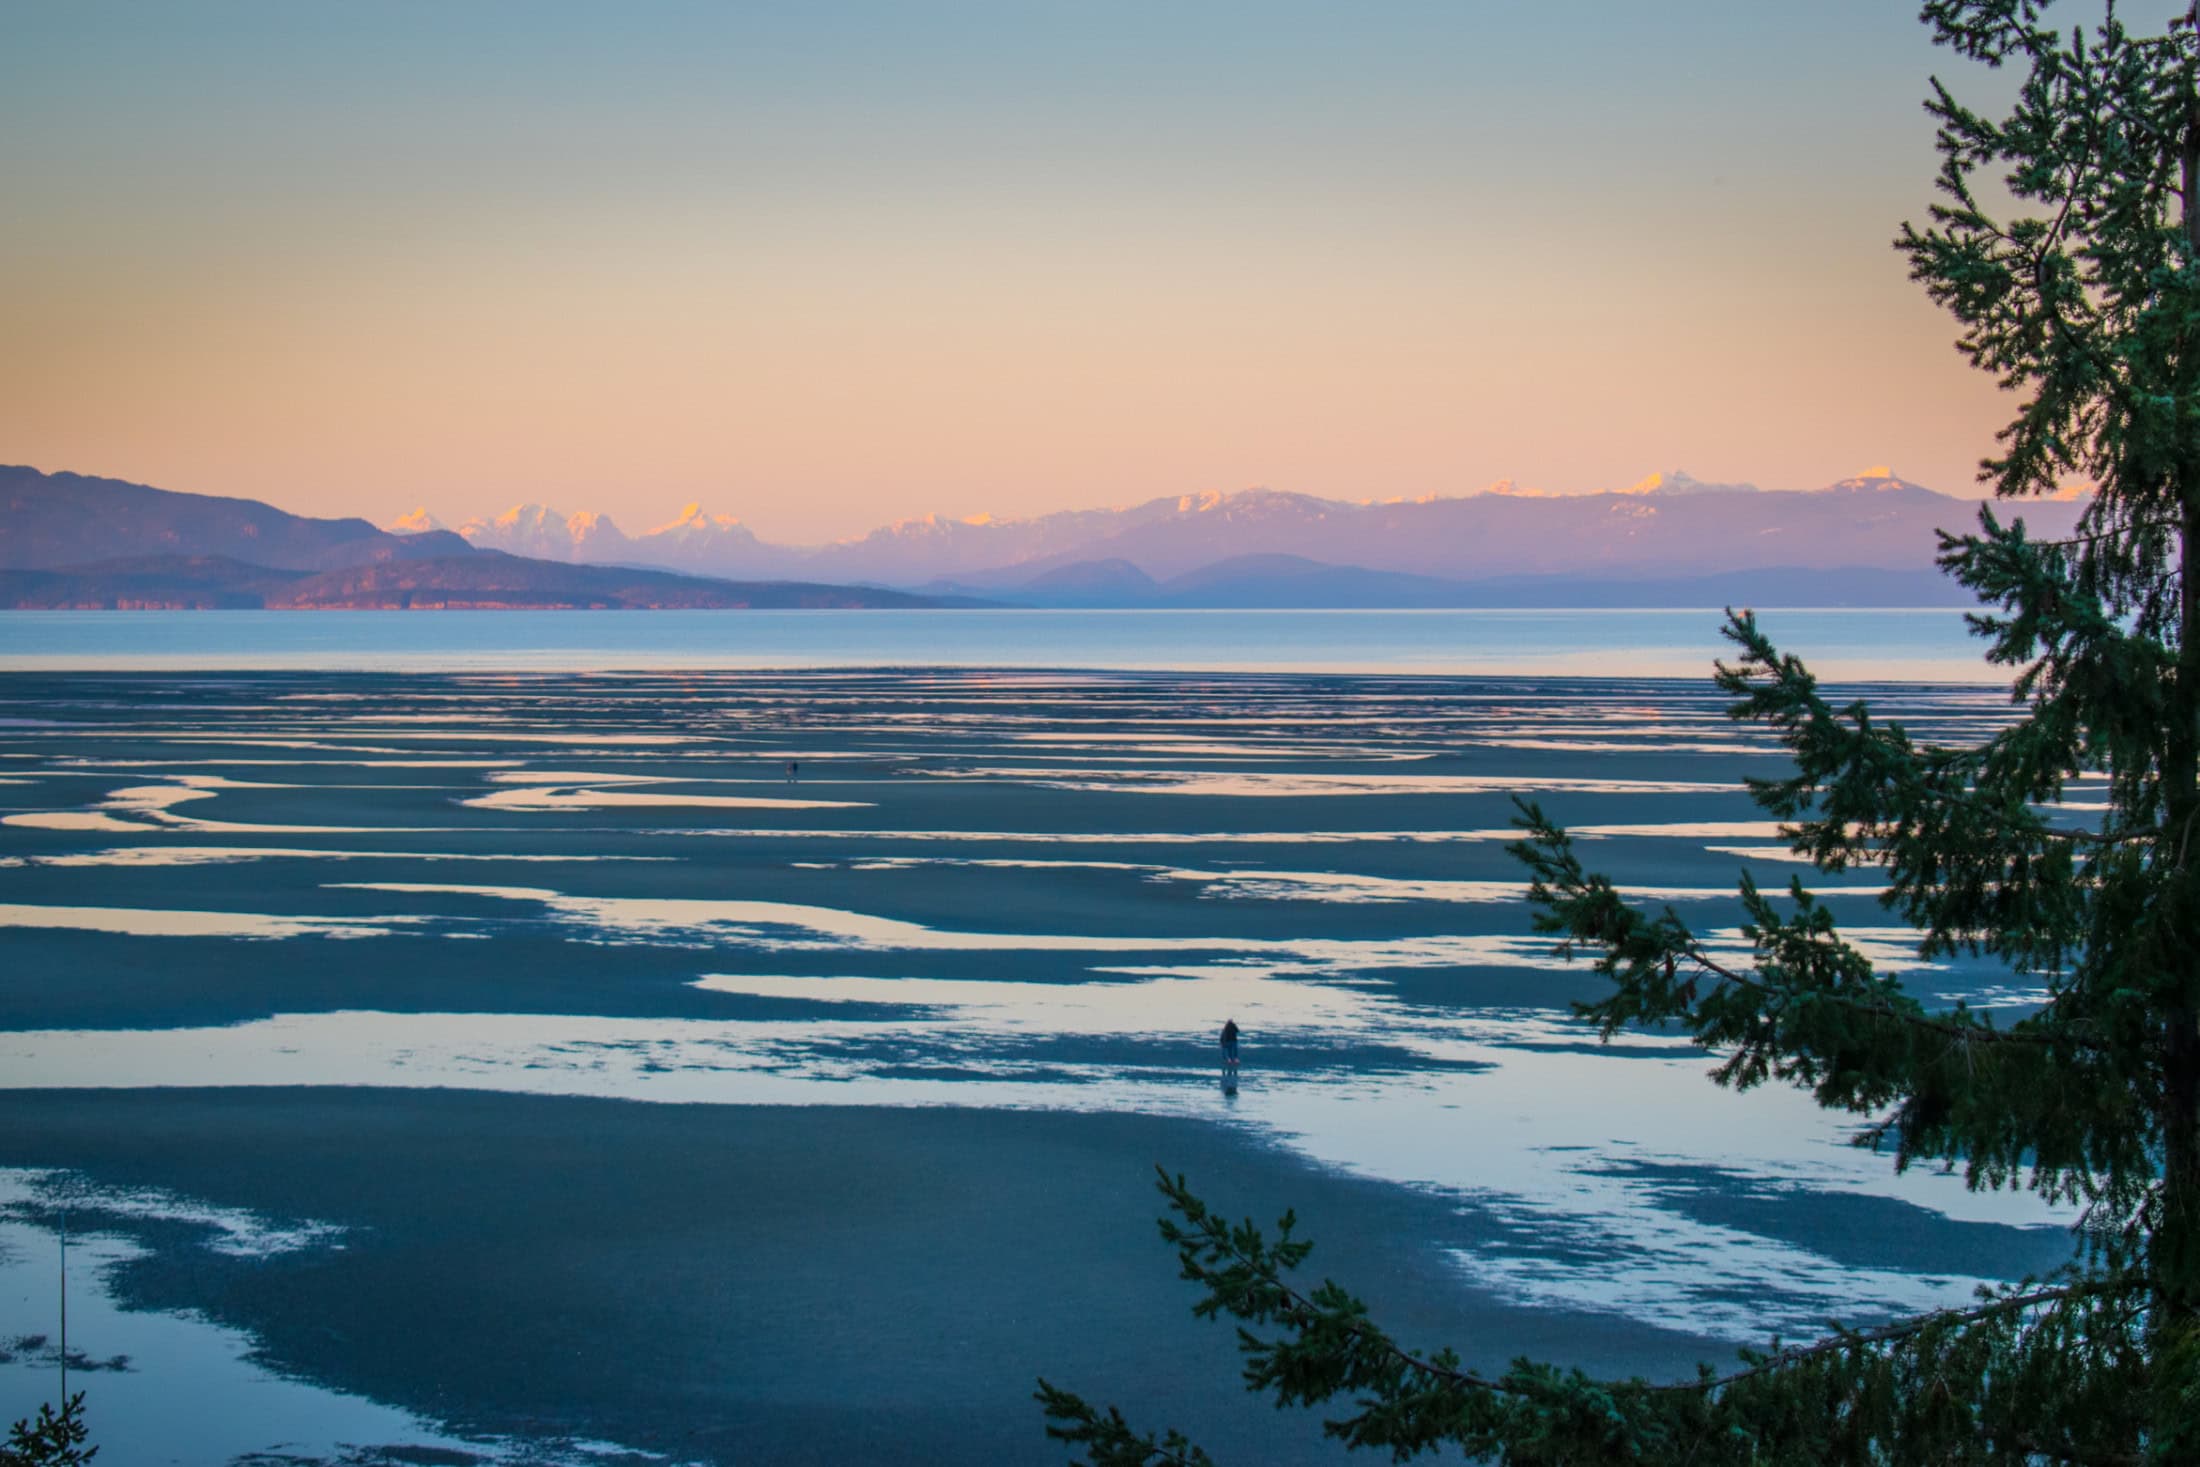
403	955
756	1284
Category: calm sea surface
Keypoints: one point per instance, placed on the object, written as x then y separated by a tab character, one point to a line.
1895	645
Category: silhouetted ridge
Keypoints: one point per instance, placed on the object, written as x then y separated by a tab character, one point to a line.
476	580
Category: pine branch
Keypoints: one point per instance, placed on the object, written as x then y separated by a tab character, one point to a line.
1589	909
1930	1022
51	1438
2103	537
2019	826
2060	1095
1826	745
1409	1401
1786	1356
1245	1248
1211	1235
1108	1439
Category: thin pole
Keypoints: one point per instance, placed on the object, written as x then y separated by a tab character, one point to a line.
64	1304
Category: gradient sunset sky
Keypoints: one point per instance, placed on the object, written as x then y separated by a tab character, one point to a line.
823	265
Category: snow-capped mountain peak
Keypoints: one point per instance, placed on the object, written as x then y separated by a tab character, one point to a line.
525	516
691	520
698	541
1878	479
418	522
520	520
1680	481
591	531
544	533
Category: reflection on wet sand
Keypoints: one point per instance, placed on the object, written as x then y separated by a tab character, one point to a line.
591	799
140	1367
1551	1118
168	922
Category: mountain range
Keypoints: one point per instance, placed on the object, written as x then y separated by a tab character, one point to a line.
70	541
1667	540
1870	535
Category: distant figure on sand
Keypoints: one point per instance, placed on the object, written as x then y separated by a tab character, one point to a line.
792	767
1229	1043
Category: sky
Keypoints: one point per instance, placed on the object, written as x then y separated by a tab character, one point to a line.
823	265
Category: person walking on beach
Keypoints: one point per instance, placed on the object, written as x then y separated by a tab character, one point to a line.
1229	1044
792	767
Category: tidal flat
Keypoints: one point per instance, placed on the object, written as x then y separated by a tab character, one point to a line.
768	1066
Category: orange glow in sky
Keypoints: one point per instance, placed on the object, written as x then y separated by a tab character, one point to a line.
828	269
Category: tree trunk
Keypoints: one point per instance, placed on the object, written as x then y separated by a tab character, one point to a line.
2176	1243
2176	1259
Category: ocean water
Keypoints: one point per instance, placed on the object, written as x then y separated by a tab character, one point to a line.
1924	645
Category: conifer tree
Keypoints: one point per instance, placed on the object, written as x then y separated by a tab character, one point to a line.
2077	284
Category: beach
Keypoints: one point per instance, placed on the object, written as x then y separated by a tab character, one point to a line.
764	1066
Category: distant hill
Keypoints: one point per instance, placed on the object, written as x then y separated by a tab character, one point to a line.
475	581
489	580
1245	581
1665	525
1274	581
1257	582
1787	586
1090	583
73	519
148	583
